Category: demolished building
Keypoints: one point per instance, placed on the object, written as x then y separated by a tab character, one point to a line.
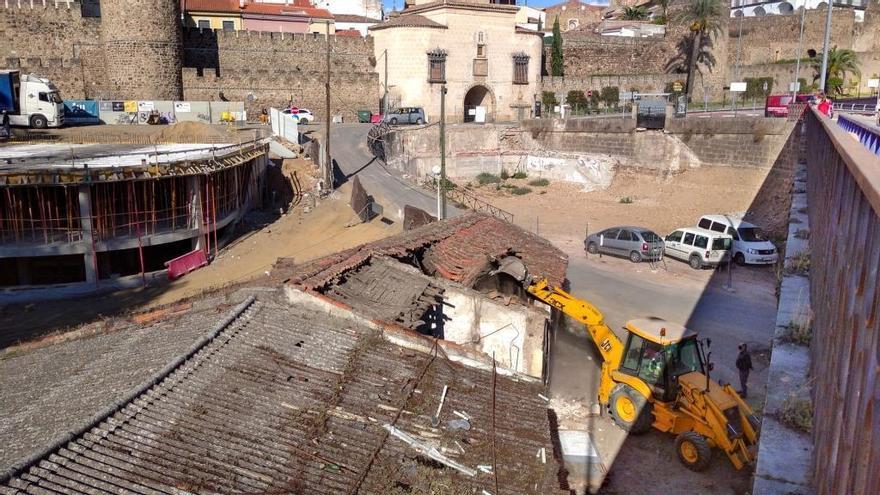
327	384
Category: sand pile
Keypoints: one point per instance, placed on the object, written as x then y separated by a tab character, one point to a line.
193	132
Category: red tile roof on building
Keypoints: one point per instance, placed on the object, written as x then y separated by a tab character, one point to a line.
296	8
458	249
409	20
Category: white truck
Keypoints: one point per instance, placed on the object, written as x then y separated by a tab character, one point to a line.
30	101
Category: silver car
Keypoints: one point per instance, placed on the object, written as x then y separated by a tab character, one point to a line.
406	115
636	243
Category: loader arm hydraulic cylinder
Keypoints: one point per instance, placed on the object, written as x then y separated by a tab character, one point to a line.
606	341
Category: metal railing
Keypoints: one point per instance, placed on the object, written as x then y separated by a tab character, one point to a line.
868	135
462	197
866	108
843	189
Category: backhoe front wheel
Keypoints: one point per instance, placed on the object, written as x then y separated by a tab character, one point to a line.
630	410
693	450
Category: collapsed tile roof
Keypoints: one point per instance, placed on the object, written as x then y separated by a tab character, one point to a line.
459	249
279	399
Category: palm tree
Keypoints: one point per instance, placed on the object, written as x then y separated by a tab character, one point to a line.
634	13
840	62
704	19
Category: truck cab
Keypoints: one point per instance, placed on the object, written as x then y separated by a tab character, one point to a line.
30	101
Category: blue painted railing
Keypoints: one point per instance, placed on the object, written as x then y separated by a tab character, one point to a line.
868	135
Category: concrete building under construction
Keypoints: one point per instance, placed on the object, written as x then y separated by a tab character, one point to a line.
89	213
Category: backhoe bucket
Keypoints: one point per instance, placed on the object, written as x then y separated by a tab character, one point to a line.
513	266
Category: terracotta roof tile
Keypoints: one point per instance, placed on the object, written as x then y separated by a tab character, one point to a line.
458	249
408	20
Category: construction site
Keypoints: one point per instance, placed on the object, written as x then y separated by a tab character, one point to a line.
202	316
96	213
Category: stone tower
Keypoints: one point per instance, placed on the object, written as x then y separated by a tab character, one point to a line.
142	46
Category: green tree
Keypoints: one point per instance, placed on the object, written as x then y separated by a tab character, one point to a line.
634	13
703	18
840	62
610	96
556	61
548	98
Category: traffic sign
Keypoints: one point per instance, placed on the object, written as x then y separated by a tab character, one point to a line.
737	87
676	86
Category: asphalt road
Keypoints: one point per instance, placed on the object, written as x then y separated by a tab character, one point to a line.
348	146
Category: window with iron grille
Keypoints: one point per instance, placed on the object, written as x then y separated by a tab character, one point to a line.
520	68
437	66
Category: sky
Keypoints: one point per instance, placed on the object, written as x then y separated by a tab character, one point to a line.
389	4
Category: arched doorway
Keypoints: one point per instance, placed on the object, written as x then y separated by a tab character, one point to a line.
479	104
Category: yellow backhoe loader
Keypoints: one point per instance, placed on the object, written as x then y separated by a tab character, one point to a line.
660	378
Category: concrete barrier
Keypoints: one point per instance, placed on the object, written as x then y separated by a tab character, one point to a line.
284	125
138	112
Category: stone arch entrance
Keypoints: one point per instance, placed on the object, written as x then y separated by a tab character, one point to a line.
479	104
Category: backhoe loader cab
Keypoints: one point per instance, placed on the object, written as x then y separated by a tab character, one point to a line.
658	352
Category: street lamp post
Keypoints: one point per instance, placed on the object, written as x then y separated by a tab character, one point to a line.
441	186
822	80
797	68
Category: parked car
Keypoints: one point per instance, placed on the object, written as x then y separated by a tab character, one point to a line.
777	105
698	247
636	243
304	115
406	115
750	245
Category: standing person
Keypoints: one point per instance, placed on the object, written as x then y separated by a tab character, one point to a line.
824	105
744	365
5	132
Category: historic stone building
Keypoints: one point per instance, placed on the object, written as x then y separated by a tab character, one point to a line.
111	54
572	14
491	67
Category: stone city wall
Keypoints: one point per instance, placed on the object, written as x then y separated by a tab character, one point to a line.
151	62
270	69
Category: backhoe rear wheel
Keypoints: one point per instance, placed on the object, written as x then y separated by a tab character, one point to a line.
630	410
693	450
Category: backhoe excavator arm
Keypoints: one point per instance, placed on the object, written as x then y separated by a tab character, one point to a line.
608	344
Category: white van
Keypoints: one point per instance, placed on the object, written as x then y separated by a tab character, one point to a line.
698	247
750	245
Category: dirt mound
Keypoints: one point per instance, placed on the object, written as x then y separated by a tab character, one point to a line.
192	132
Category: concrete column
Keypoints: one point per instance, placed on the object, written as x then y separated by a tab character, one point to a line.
23	266
85	214
194	193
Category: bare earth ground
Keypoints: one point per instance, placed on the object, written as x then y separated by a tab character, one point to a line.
562	213
297	234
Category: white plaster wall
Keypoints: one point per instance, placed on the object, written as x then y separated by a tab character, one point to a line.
514	334
408	63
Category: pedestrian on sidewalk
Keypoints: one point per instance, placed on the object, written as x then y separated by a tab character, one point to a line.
744	365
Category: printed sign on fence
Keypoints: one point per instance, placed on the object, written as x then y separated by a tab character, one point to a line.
182	107
130	107
146	106
118	106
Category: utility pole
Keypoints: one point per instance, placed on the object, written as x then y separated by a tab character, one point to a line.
327	172
822	80
797	67
739	38
385	97
441	199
